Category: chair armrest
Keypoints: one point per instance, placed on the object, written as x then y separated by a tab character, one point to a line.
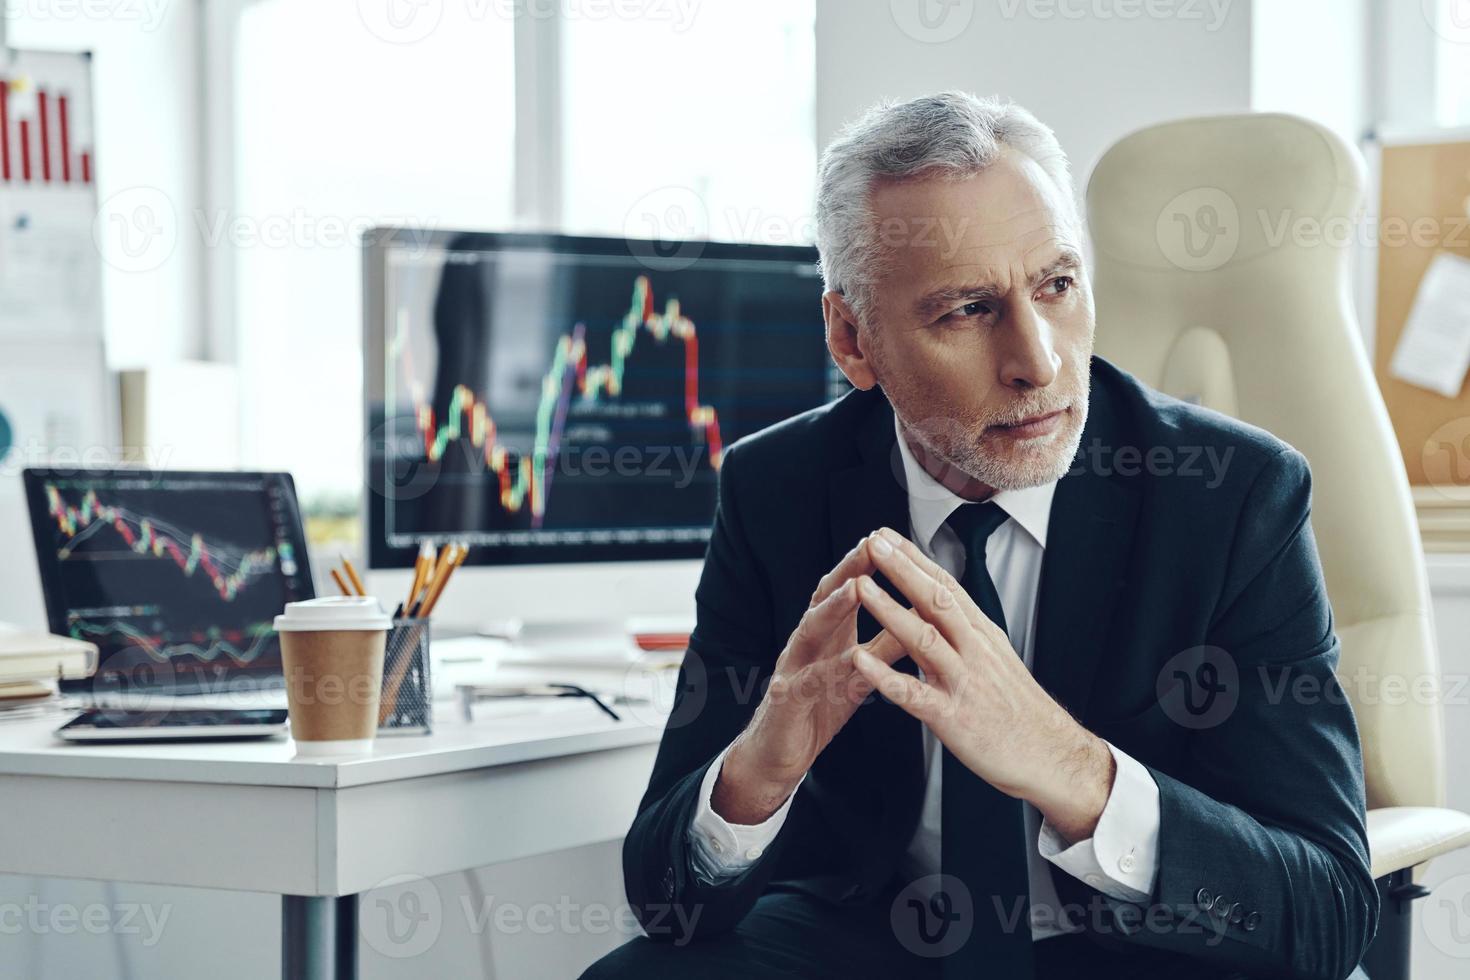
1404	836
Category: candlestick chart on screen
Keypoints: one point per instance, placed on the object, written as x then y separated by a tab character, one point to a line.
181	574
547	400
524	482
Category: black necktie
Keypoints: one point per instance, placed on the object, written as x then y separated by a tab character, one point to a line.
982	830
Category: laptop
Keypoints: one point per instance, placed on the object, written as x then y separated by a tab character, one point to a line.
176	576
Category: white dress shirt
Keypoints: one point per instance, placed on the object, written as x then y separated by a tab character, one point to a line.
1119	860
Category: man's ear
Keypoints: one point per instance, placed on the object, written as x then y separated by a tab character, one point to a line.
843	341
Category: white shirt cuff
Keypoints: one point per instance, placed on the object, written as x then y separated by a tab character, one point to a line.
722	850
1121	858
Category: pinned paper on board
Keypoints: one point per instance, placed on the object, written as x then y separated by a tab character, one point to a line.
1434	350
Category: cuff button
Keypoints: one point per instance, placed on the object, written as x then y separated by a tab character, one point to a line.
1203	898
1251	921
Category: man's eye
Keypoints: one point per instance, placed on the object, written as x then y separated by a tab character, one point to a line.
977	308
1062	284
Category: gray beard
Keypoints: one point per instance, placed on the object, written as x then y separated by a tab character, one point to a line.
1032	470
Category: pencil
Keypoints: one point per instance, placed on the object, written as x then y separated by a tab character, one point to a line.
428	554
392	681
447	565
432	573
352	575
420	569
337	577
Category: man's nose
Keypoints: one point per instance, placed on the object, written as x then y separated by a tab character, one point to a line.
1029	358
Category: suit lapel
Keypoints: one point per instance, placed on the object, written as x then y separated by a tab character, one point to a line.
868	495
1088	543
863	497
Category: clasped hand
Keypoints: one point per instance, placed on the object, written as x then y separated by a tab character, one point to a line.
976	694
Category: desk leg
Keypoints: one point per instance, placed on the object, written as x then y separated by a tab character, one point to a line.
318	937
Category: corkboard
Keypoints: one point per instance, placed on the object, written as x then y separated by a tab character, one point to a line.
1423	210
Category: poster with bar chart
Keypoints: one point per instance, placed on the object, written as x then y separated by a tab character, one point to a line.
45	134
50	269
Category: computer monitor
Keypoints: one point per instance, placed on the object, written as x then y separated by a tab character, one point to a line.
176	576
556	399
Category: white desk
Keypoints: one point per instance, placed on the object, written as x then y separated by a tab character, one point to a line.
524	778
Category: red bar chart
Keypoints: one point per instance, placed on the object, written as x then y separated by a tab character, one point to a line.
38	137
50	253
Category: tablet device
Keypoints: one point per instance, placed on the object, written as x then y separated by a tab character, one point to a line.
116	725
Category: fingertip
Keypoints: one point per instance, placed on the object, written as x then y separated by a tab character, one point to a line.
840	598
870	589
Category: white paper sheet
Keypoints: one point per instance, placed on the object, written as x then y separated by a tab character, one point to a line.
1434	350
50	266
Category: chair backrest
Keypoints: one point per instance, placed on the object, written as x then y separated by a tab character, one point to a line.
1223	246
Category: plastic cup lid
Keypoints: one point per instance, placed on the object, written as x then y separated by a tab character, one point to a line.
338	612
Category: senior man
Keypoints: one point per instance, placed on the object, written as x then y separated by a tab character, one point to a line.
973	692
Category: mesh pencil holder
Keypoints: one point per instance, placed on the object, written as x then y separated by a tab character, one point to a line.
407	700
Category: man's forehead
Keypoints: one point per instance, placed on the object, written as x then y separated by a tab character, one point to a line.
1009	187
954	244
1036	234
1002	214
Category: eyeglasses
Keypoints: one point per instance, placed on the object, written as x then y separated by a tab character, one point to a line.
471	694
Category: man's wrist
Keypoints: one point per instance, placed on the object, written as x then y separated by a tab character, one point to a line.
1078	787
745	795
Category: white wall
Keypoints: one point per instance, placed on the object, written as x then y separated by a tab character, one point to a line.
1092	78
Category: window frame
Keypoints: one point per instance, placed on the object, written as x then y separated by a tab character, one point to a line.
537	168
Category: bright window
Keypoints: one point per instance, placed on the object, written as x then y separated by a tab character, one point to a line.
343	123
1452	64
693	120
699	117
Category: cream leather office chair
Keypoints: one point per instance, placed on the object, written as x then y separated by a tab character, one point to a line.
1222	248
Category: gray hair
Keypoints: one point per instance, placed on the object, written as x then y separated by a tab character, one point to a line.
952	135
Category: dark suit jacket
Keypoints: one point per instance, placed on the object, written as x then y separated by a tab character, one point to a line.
1182	616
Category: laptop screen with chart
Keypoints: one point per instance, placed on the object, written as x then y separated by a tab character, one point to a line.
176	576
550	398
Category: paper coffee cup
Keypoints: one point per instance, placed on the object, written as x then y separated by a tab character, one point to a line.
332	656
